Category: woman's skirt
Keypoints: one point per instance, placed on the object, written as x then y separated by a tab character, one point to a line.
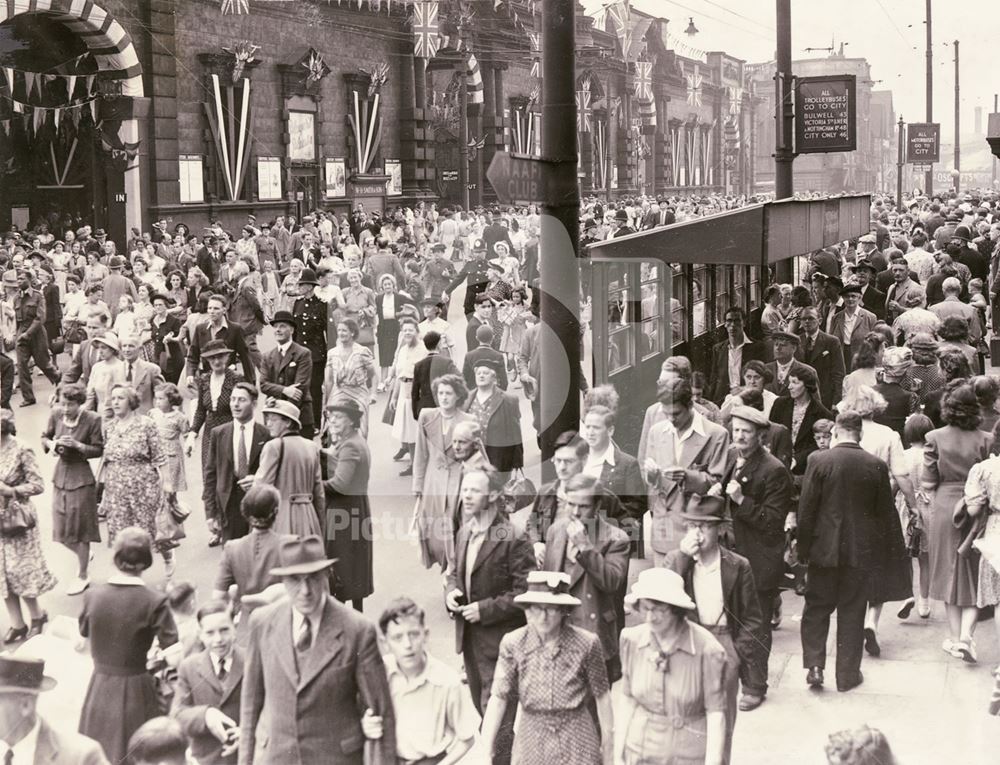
387	335
989	577
954	578
563	737
404	427
74	515
23	571
115	707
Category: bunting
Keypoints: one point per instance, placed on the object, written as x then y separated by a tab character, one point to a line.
675	153
706	154
426	31
647	113
600	144
473	80
231	131
583	111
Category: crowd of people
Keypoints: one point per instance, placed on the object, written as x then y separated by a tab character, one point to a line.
842	431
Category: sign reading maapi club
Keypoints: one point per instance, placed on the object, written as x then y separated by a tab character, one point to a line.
826	114
923	143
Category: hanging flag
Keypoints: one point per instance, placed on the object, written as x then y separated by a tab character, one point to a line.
426	31
90	84
56	116
93	110
644	80
71	86
637	38
583	113
38	119
735	100
602	156
536	54
8	73
620	15
18	107
497	4
647	113
473	80
29	83
235	7
694	88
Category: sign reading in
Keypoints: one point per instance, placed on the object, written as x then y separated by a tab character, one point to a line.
923	143
523	180
826	114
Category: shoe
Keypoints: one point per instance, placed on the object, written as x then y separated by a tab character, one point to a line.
994	708
906	608
776	616
814	679
380	387
27	403
871	642
950	647
77	586
400	455
15	635
215	541
750	701
38	625
407	472
923	608
966	651
843	688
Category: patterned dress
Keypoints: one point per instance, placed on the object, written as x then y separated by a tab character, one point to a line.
212	412
132	491
23	572
982	489
347	374
172	426
555	684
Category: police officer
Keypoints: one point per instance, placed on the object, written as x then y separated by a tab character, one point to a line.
310	313
475	271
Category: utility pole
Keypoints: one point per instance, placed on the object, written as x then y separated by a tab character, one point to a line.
929	178
996	98
958	134
463	142
784	120
899	163
560	383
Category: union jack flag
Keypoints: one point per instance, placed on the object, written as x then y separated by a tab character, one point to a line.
621	16
536	50
425	29
583	113
694	88
735	101
644	80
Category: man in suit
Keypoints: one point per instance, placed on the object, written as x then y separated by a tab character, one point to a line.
246	310
872	299
22	679
87	355
286	370
142	375
853	323
868	249
786	346
426	371
839	524
116	285
207	699
502	415
721	584
218	327
758	493
482	317
316	665
686	454
899	294
823	353
729	356
492	562
483	351
233	459
952	306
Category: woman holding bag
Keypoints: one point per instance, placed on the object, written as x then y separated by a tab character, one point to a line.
350	370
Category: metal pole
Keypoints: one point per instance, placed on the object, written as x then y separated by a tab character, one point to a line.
996	98
560	382
784	120
929	177
958	134
463	142
899	164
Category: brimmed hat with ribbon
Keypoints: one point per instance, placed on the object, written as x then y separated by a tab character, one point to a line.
787	337
285	409
215	348
21	674
895	361
661	585
110	339
302	555
348	406
547	588
707	509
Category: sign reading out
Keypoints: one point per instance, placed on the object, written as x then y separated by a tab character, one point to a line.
826	114
923	143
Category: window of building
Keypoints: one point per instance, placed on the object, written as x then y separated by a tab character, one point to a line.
192	179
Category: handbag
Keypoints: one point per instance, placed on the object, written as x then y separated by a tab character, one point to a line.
75	333
970	528
17	519
519	492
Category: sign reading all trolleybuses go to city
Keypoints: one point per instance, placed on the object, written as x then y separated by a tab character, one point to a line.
923	143
826	114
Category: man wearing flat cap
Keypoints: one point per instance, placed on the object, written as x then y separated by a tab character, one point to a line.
310	660
27	737
853	323
868	248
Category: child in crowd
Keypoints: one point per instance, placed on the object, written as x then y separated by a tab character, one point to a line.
916	520
171	425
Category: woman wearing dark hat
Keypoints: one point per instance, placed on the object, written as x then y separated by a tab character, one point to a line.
120	619
555	672
347	465
214	389
165	329
291	464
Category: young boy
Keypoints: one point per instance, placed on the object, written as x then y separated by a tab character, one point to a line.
436	722
823	433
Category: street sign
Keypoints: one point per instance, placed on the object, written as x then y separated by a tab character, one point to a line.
449	175
826	114
923	143
523	180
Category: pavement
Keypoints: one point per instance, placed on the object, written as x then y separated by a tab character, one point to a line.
931	706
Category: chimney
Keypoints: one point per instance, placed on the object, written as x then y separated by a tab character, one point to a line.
979	120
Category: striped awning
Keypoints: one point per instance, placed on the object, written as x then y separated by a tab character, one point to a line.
104	37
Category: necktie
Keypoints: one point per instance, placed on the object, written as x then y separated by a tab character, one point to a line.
304	641
241	454
222	671
128	372
9	757
807	348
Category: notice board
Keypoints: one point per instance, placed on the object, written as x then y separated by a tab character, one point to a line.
826	114
923	143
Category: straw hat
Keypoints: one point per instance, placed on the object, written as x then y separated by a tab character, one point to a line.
109	339
286	409
661	585
547	588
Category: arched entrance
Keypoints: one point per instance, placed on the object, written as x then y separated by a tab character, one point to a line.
67	134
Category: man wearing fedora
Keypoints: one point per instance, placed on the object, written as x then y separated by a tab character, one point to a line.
872	299
218	327
311	316
853	323
27	737
721	584
116	285
785	363
310	660
286	370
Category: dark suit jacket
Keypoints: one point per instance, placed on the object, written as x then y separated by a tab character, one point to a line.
220	470
598	578
759	520
499	573
739	596
625	481
425	372
79	368
198	688
865	323
232	336
246	309
476	355
781	389
719	375
827	358
842	522
66	748
315	702
805	442
546	506
779	443
503	440
294	369
873	300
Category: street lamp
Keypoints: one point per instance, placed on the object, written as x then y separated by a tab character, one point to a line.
692	30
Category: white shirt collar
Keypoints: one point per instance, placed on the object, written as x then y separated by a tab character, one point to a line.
216	661
283	347
608	456
697	426
743	342
130	579
299	618
24	750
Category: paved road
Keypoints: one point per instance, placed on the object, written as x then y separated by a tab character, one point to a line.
931	706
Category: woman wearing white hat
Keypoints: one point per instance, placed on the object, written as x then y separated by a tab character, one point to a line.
556	672
673	697
104	374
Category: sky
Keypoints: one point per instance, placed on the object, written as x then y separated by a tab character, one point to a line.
889	33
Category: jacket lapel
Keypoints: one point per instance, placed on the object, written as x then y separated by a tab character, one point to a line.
234	678
691	448
207	672
284	643
727	569
490	544
257	441
47	748
326	647
434	433
461	550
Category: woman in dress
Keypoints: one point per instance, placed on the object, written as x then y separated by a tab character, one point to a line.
555	672
437	470
949	455
359	306
120	619
387	308
900	402
171	424
513	317
350	370
105	373
94	272
865	363
291	464
74	434
24	574
399	412
954	333
178	295
348	512
954	367
987	390
672	672
798	412
214	389
197	316
165	329
143	317
289	291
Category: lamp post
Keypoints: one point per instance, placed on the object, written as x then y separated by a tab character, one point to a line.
958	134
929	177
899	162
784	121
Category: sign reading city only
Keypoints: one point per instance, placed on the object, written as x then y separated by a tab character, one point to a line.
826	114
923	143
